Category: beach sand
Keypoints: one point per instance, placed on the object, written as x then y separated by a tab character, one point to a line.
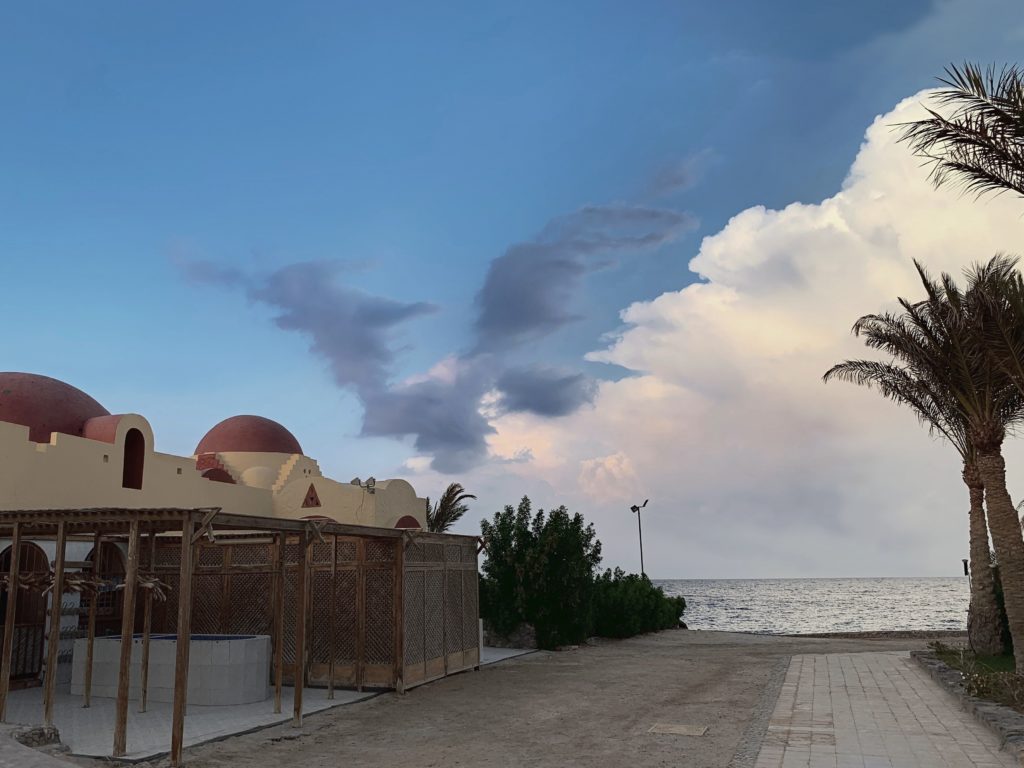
592	706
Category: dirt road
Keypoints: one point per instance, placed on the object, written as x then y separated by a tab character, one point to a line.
588	707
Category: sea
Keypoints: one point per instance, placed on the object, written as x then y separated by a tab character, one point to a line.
811	606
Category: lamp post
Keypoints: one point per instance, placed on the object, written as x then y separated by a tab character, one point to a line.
640	530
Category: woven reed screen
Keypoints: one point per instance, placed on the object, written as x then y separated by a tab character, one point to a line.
441	608
353	601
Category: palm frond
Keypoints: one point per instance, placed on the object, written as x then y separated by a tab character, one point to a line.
980	144
449	509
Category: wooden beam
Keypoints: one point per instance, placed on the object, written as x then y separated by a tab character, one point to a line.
399	620
53	641
331	614
301	617
147	624
206	527
183	644
9	618
278	619
91	634
131	585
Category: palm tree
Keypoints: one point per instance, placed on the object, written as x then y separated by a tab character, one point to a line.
981	144
942	416
449	509
939	344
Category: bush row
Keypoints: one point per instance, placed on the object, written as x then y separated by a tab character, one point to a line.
541	569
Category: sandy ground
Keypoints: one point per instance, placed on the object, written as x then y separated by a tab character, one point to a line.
592	706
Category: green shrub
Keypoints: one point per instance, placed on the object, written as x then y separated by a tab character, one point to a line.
628	604
540	569
510	543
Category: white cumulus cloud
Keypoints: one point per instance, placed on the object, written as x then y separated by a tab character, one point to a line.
754	466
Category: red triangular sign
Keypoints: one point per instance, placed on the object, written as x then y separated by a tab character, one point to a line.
311	500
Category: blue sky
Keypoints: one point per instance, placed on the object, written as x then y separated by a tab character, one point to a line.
161	164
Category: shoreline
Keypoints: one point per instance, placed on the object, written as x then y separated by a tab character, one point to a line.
873	634
883	634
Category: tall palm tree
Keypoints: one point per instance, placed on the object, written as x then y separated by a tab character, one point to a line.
940	343
942	416
449	508
980	145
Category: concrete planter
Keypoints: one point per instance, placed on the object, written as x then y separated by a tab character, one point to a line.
223	669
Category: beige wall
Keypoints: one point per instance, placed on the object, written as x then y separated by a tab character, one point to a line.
76	472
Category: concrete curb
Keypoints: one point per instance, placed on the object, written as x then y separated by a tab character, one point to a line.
1006	723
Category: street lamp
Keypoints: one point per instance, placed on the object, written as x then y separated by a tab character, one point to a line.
640	529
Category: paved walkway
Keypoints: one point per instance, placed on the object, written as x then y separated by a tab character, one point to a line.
872	710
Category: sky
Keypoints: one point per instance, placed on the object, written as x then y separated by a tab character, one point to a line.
588	252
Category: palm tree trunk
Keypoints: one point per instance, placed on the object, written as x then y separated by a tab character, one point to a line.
1008	542
984	624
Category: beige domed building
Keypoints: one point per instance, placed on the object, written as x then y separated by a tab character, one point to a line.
241	568
61	449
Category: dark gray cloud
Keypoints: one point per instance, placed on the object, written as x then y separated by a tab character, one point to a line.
529	290
678	175
544	391
442	415
350	329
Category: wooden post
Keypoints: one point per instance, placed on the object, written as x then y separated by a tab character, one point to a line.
331	612
360	609
147	623
9	617
301	609
183	643
53	641
278	619
131	584
399	615
91	639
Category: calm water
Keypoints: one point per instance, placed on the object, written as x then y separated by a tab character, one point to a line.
785	606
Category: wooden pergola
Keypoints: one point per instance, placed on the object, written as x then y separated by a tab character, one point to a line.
187	527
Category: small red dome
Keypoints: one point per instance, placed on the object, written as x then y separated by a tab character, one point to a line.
45	405
248	434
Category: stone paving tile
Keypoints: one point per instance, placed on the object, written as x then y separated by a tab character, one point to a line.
90	732
872	710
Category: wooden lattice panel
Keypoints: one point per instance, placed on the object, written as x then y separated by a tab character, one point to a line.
380	551
208	603
166	615
347	551
470	610
293	550
380	634
433	614
251	554
453	612
346	619
323	552
168	556
320	637
211	556
413	627
291	593
249	606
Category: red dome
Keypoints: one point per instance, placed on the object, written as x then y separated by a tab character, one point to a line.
253	434
45	405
